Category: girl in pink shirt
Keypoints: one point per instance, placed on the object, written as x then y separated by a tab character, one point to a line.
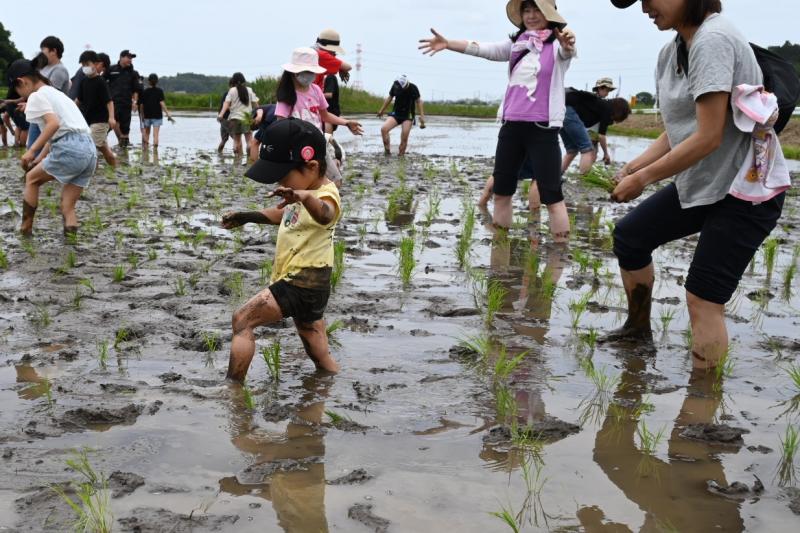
300	97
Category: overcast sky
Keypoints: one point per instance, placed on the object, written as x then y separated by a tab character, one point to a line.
221	37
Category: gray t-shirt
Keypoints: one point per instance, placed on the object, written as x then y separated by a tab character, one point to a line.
58	76
720	58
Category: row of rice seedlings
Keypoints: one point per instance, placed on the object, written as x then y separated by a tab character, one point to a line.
92	509
339	266
272	357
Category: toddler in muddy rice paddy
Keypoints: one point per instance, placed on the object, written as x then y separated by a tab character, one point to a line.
293	155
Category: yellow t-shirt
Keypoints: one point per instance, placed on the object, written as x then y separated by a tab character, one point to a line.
303	243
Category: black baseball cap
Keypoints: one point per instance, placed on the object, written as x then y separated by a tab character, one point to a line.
286	145
18	69
622	4
127	53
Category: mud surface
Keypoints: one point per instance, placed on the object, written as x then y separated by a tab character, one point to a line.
117	345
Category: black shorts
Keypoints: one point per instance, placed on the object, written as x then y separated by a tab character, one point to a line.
122	114
537	142
18	118
302	304
731	232
401	118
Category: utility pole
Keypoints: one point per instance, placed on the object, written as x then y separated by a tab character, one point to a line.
359	83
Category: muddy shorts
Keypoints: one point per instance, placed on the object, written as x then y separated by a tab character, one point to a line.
731	232
303	304
100	134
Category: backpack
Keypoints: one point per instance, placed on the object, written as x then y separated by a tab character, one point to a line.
780	78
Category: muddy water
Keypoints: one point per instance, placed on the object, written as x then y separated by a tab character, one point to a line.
135	375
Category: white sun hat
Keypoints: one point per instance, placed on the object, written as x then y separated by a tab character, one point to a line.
304	60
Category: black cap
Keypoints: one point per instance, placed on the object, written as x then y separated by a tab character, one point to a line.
286	145
127	53
18	69
622	4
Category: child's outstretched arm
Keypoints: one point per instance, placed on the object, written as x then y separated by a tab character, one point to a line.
234	219
322	210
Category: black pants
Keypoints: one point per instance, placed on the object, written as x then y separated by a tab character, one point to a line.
122	114
540	144
731	231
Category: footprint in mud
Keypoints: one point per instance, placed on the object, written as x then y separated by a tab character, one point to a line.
363	513
715	435
124	483
356	477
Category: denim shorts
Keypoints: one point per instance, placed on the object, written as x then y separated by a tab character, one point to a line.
573	133
152	122
72	159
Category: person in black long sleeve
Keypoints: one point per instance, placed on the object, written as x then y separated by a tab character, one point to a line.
123	81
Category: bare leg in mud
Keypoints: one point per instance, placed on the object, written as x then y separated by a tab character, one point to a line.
534	201
260	310
315	341
709	334
34	179
69	197
638	286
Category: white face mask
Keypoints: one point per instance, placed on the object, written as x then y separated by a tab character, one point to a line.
88	70
305	78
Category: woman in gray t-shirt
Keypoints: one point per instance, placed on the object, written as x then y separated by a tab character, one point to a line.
702	149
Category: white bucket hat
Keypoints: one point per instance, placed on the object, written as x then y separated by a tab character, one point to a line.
304	60
330	40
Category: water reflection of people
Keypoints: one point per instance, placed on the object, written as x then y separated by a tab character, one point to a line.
671	493
297	495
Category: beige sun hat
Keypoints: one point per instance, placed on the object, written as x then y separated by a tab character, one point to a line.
330	40
304	60
547	7
608	83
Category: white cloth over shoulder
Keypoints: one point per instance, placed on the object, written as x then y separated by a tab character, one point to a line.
764	173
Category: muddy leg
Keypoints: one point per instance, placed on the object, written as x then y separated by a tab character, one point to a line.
404	134
34	179
388	126
587	159
315	341
486	194
639	291
534	200
260	310
503	211
69	197
559	222
709	334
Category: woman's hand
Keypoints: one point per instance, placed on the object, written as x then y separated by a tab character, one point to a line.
566	39
433	45
289	196
355	127
630	188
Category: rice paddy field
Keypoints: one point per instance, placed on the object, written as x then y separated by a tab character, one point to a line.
474	394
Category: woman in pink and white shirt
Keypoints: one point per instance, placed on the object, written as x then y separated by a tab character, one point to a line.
533	110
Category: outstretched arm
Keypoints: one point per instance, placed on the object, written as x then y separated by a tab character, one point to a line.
270	215
437	43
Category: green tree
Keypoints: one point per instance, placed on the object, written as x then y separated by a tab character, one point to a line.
645	98
8	53
790	52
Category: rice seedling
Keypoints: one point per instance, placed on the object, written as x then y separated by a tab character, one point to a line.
504	365
376	175
582	259
362	233
40	318
589	339
508	517
176	194
407	260
3	259
495	297
794	374
272	357
532	263
602	381
265	272
118	274
77	299
480	345
92	509
247	397
29	247
770	251
152	254
86	282
180	286
211	341
666	317
133	261
649	440
133	201
159	225
724	369
600	177
337	419
122	335
464	243
46	387
434	207
235	285
337	273
578	307
400	198
102	354
505	404
194	279
119	239
331	330
787	470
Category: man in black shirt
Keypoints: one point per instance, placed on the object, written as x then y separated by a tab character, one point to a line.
331	90
407	99
587	110
94	101
123	81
